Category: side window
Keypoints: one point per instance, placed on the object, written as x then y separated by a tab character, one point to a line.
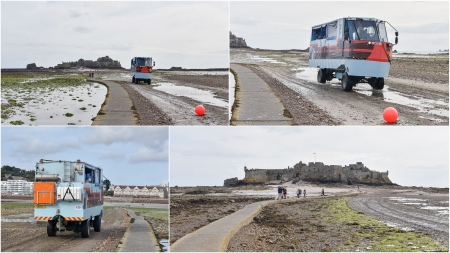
317	34
332	31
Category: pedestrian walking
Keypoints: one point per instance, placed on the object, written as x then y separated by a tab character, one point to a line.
304	193
280	192
284	192
299	192
323	192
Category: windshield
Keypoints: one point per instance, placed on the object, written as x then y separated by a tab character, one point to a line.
143	61
362	30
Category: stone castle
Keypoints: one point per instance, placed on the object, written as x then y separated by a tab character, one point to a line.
102	62
236	41
317	172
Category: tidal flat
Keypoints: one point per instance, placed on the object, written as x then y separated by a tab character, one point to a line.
49	98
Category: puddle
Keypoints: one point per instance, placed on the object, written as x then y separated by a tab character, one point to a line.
48	106
401	199
196	94
165	244
193	73
445	208
116	76
231	85
266	59
422	104
433	107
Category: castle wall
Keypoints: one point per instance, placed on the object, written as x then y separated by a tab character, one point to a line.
318	172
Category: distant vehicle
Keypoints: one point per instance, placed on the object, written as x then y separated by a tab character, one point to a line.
68	195
141	69
353	50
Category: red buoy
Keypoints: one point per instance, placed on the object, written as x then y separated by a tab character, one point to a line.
200	110
390	115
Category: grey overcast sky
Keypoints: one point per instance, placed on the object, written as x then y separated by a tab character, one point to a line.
183	34
422	26
128	155
414	156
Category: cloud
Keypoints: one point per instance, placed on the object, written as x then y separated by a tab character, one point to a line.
151	137
113	156
40	147
247	21
76	14
82	29
143	155
424	28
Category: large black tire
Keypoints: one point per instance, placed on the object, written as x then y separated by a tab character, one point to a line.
346	82
379	84
133	80
97	223
51	228
85	228
321	76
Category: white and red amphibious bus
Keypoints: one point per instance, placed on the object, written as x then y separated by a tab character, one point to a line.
353	50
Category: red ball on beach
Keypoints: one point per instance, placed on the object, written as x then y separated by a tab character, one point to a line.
390	115
200	110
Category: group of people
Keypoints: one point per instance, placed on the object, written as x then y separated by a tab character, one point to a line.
91	74
299	193
282	193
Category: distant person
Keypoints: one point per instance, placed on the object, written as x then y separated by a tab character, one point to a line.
323	192
304	193
284	192
280	192
299	192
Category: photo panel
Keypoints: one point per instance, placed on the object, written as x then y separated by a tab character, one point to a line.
87	188
280	189
295	64
115	63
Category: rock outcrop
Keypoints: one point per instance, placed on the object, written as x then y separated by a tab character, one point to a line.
236	41
100	63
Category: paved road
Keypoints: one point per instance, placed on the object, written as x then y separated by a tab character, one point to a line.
139	236
117	108
258	104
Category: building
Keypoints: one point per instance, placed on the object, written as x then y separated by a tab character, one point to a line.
147	191
17	187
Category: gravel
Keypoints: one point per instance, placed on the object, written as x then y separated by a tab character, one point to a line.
149	113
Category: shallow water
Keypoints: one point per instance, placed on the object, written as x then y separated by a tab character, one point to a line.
266	59
203	96
45	106
165	244
424	105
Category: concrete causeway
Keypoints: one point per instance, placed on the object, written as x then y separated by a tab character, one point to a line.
117	108
139	236
258	103
215	236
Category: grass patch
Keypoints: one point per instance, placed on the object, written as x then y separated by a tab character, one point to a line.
83	108
68	114
159	213
16	122
378	236
13	205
